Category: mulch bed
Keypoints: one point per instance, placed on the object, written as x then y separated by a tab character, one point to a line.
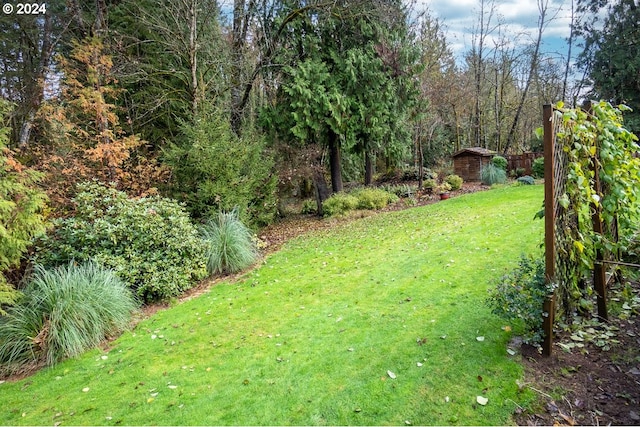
591	387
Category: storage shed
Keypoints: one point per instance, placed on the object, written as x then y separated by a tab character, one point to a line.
468	162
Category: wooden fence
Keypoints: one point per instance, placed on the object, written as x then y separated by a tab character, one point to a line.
522	161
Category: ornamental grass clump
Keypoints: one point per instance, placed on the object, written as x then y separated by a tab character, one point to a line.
64	312
230	244
492	174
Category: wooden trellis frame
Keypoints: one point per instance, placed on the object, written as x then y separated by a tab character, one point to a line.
557	220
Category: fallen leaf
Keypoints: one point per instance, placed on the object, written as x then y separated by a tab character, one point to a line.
506	328
153	337
86	389
391	375
443	336
480	339
173	387
482	400
634	415
568	419
511	352
446	399
480	378
418	364
634	371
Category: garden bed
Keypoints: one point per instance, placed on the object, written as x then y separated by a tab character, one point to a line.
589	386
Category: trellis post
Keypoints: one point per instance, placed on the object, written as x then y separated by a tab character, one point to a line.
599	269
549	224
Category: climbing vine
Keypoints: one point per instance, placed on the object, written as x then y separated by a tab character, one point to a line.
603	179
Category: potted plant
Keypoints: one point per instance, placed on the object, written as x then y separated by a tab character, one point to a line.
443	190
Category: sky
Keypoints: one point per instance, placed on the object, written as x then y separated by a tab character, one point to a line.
520	18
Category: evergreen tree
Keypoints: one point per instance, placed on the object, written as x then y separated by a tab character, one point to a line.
611	57
347	85
21	209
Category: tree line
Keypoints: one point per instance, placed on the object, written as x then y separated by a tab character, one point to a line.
224	105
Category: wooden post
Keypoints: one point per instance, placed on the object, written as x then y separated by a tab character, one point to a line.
599	268
549	224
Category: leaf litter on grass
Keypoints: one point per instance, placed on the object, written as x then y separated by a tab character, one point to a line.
383	331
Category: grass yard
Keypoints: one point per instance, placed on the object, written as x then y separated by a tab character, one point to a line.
381	321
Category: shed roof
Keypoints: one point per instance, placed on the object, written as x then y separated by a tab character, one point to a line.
475	150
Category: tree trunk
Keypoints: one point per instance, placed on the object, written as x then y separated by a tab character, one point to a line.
322	190
335	161
368	168
420	160
39	84
193	56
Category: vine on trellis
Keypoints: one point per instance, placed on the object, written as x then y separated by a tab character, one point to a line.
602	178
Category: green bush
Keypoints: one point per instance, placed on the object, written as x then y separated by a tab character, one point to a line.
454	181
339	204
500	162
538	167
373	198
230	245
21	206
214	171
64	312
400	190
519	298
526	180
429	184
491	174
150	243
309	207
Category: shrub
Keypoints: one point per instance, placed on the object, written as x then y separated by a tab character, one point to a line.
150	243
309	207
519	298
491	174
214	171
526	180
520	172
454	181
8	295
21	206
373	198
538	167
64	312
445	187
339	204
401	190
230	244
500	162
429	184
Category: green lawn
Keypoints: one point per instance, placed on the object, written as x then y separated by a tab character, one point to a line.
309	337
